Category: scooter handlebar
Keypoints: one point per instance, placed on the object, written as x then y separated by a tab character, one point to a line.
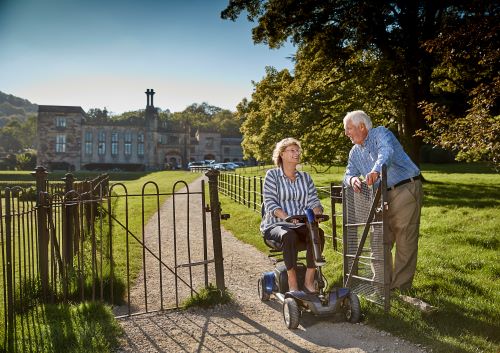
303	218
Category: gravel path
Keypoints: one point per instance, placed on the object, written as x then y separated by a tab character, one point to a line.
247	325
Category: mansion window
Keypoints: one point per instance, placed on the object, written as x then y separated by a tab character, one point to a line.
101	144
60	122
60	143
173	140
140	144
209	142
127	147
227	150
88	142
114	144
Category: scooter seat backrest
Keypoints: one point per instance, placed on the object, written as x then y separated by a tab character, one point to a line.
274	245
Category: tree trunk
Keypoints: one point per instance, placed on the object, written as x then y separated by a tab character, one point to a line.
412	121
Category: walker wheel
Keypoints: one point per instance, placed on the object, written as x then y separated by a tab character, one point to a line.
352	308
291	313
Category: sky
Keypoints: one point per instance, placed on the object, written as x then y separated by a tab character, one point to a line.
106	53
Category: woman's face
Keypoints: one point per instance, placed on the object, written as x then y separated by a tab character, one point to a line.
291	155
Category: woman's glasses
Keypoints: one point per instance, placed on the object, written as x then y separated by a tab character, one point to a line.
292	150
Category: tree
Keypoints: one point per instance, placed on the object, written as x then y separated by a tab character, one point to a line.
17	135
463	113
209	117
311	105
392	32
263	120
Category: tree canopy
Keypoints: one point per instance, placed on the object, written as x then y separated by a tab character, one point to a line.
199	116
210	118
371	55
18	135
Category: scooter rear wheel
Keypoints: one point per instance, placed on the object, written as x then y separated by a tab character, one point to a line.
352	308
263	295
291	313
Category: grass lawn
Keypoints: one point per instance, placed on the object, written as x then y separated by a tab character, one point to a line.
458	268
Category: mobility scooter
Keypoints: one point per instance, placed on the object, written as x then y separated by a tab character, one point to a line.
324	302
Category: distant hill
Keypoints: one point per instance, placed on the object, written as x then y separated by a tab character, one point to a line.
12	107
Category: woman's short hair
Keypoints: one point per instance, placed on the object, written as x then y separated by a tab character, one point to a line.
357	117
280	147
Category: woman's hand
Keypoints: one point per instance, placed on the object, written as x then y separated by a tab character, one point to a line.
279	213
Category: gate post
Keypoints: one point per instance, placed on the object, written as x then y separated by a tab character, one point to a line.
68	221
215	208
386	242
9	265
40	174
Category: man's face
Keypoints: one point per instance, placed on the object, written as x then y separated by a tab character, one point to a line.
357	134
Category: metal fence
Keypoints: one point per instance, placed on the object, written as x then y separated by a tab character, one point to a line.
58	245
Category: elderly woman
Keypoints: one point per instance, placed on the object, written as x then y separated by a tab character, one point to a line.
288	192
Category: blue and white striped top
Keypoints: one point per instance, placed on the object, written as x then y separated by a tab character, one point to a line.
379	147
291	196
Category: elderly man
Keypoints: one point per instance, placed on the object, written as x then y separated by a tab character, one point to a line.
373	148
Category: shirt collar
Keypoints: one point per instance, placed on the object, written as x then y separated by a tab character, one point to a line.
282	173
367	139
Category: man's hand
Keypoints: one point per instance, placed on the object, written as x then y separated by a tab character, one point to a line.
356	184
371	178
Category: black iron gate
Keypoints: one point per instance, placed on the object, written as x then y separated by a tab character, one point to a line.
174	247
77	242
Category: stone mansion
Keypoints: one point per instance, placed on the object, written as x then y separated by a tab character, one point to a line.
68	140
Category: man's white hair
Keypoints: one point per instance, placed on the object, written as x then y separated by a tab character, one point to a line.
357	117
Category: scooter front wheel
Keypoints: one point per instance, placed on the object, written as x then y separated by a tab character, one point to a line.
291	313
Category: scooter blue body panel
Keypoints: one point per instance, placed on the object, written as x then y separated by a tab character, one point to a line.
269	280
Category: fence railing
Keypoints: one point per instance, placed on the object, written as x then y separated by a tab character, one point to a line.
247	191
40	231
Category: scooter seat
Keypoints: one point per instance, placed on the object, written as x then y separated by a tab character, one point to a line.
277	246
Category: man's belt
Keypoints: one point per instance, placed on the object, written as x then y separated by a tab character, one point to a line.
406	181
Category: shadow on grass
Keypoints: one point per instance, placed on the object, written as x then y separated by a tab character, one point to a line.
441	194
45	327
85	327
451	168
449	321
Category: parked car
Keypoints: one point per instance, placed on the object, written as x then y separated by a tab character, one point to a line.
224	166
201	164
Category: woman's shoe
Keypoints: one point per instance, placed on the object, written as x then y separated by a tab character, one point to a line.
307	291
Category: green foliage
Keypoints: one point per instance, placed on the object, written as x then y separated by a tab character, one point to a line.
86	327
17	135
208	118
208	297
463	114
26	160
385	58
15	108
